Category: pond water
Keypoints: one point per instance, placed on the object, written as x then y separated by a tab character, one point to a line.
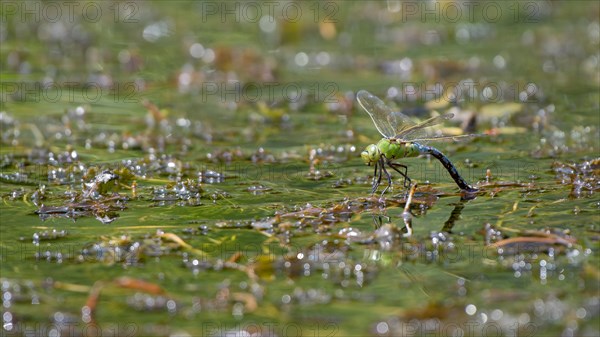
193	168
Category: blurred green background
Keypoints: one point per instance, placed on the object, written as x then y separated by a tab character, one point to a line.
193	168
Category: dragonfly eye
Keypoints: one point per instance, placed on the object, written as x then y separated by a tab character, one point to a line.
370	154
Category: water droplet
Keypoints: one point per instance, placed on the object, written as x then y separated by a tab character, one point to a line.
499	62
382	328
197	50
471	309
497	314
301	59
267	24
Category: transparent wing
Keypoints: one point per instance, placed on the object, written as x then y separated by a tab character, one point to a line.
418	131
387	122
443	137
394	124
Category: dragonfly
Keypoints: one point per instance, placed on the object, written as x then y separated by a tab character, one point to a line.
403	138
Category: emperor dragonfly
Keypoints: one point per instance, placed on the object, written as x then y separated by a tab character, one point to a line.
402	139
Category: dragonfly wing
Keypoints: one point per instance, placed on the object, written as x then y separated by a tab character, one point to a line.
418	130
387	122
444	137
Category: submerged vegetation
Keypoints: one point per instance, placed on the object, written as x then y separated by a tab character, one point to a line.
166	174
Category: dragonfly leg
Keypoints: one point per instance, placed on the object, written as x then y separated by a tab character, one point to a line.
407	182
376	177
374	183
381	169
389	177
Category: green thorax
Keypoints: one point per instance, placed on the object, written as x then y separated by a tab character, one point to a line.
395	149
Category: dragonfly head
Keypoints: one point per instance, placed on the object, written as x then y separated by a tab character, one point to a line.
371	154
